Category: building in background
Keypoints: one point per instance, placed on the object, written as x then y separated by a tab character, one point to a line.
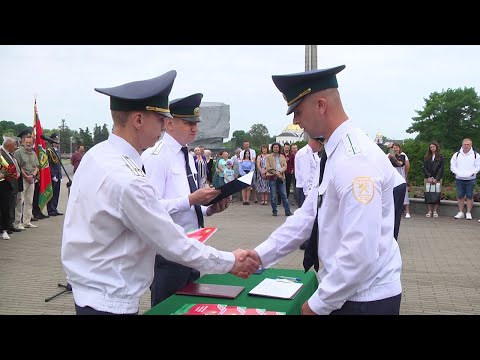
291	134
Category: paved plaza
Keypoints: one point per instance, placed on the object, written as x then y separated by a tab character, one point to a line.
441	261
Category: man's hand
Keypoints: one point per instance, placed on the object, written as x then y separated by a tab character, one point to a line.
252	254
218	206
203	196
306	309
244	264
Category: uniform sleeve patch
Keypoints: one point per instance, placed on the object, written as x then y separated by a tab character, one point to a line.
363	189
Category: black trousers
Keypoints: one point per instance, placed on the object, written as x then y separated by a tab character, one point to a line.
5	193
388	306
398	197
53	203
288	182
168	278
36	212
87	310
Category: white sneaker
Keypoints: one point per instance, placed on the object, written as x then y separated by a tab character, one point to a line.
407	216
459	215
5	235
20	227
468	216
30	225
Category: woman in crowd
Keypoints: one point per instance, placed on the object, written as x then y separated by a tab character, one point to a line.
201	166
262	186
210	168
398	161
433	166
246	166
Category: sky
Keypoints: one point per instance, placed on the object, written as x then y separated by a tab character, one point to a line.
381	86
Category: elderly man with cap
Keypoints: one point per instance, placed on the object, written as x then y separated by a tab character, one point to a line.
114	222
171	169
54	158
349	217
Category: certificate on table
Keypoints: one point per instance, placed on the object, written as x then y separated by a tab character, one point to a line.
277	288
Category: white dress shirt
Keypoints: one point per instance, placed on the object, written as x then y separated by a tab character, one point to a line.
360	257
165	167
307	168
114	224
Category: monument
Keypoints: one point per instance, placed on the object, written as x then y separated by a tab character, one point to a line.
214	127
310	64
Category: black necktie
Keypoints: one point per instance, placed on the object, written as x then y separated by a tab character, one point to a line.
311	252
193	186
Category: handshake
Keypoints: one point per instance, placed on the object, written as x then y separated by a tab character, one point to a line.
246	263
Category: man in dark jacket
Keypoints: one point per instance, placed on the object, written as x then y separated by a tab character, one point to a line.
54	159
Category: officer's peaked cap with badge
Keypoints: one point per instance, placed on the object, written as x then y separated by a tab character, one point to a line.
24	133
295	87
151	94
187	108
54	136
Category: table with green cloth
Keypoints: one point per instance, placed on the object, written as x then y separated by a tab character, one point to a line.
290	307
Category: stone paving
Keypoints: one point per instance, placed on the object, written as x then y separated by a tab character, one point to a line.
441	261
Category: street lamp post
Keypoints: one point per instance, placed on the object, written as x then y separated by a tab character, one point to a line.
71	141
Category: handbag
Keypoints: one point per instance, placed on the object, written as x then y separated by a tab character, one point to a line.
432	196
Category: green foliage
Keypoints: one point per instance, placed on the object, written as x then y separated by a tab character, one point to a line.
448	117
100	134
238	137
259	135
85	138
9	128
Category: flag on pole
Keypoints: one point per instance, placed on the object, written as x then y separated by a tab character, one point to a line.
46	190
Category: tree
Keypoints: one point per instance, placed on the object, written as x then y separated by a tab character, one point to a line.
258	135
85	138
100	133
448	117
9	128
104	133
238	137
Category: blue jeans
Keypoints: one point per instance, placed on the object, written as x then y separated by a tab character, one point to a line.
465	188
274	184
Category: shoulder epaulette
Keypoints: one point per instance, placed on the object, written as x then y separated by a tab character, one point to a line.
351	145
157	148
132	166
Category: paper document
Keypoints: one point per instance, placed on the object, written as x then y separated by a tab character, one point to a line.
277	288
233	187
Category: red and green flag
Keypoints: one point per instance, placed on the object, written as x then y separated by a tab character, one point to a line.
46	190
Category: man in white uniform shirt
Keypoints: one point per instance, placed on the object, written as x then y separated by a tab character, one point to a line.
115	223
353	208
165	166
307	171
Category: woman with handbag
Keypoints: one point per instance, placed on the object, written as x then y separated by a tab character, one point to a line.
433	166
